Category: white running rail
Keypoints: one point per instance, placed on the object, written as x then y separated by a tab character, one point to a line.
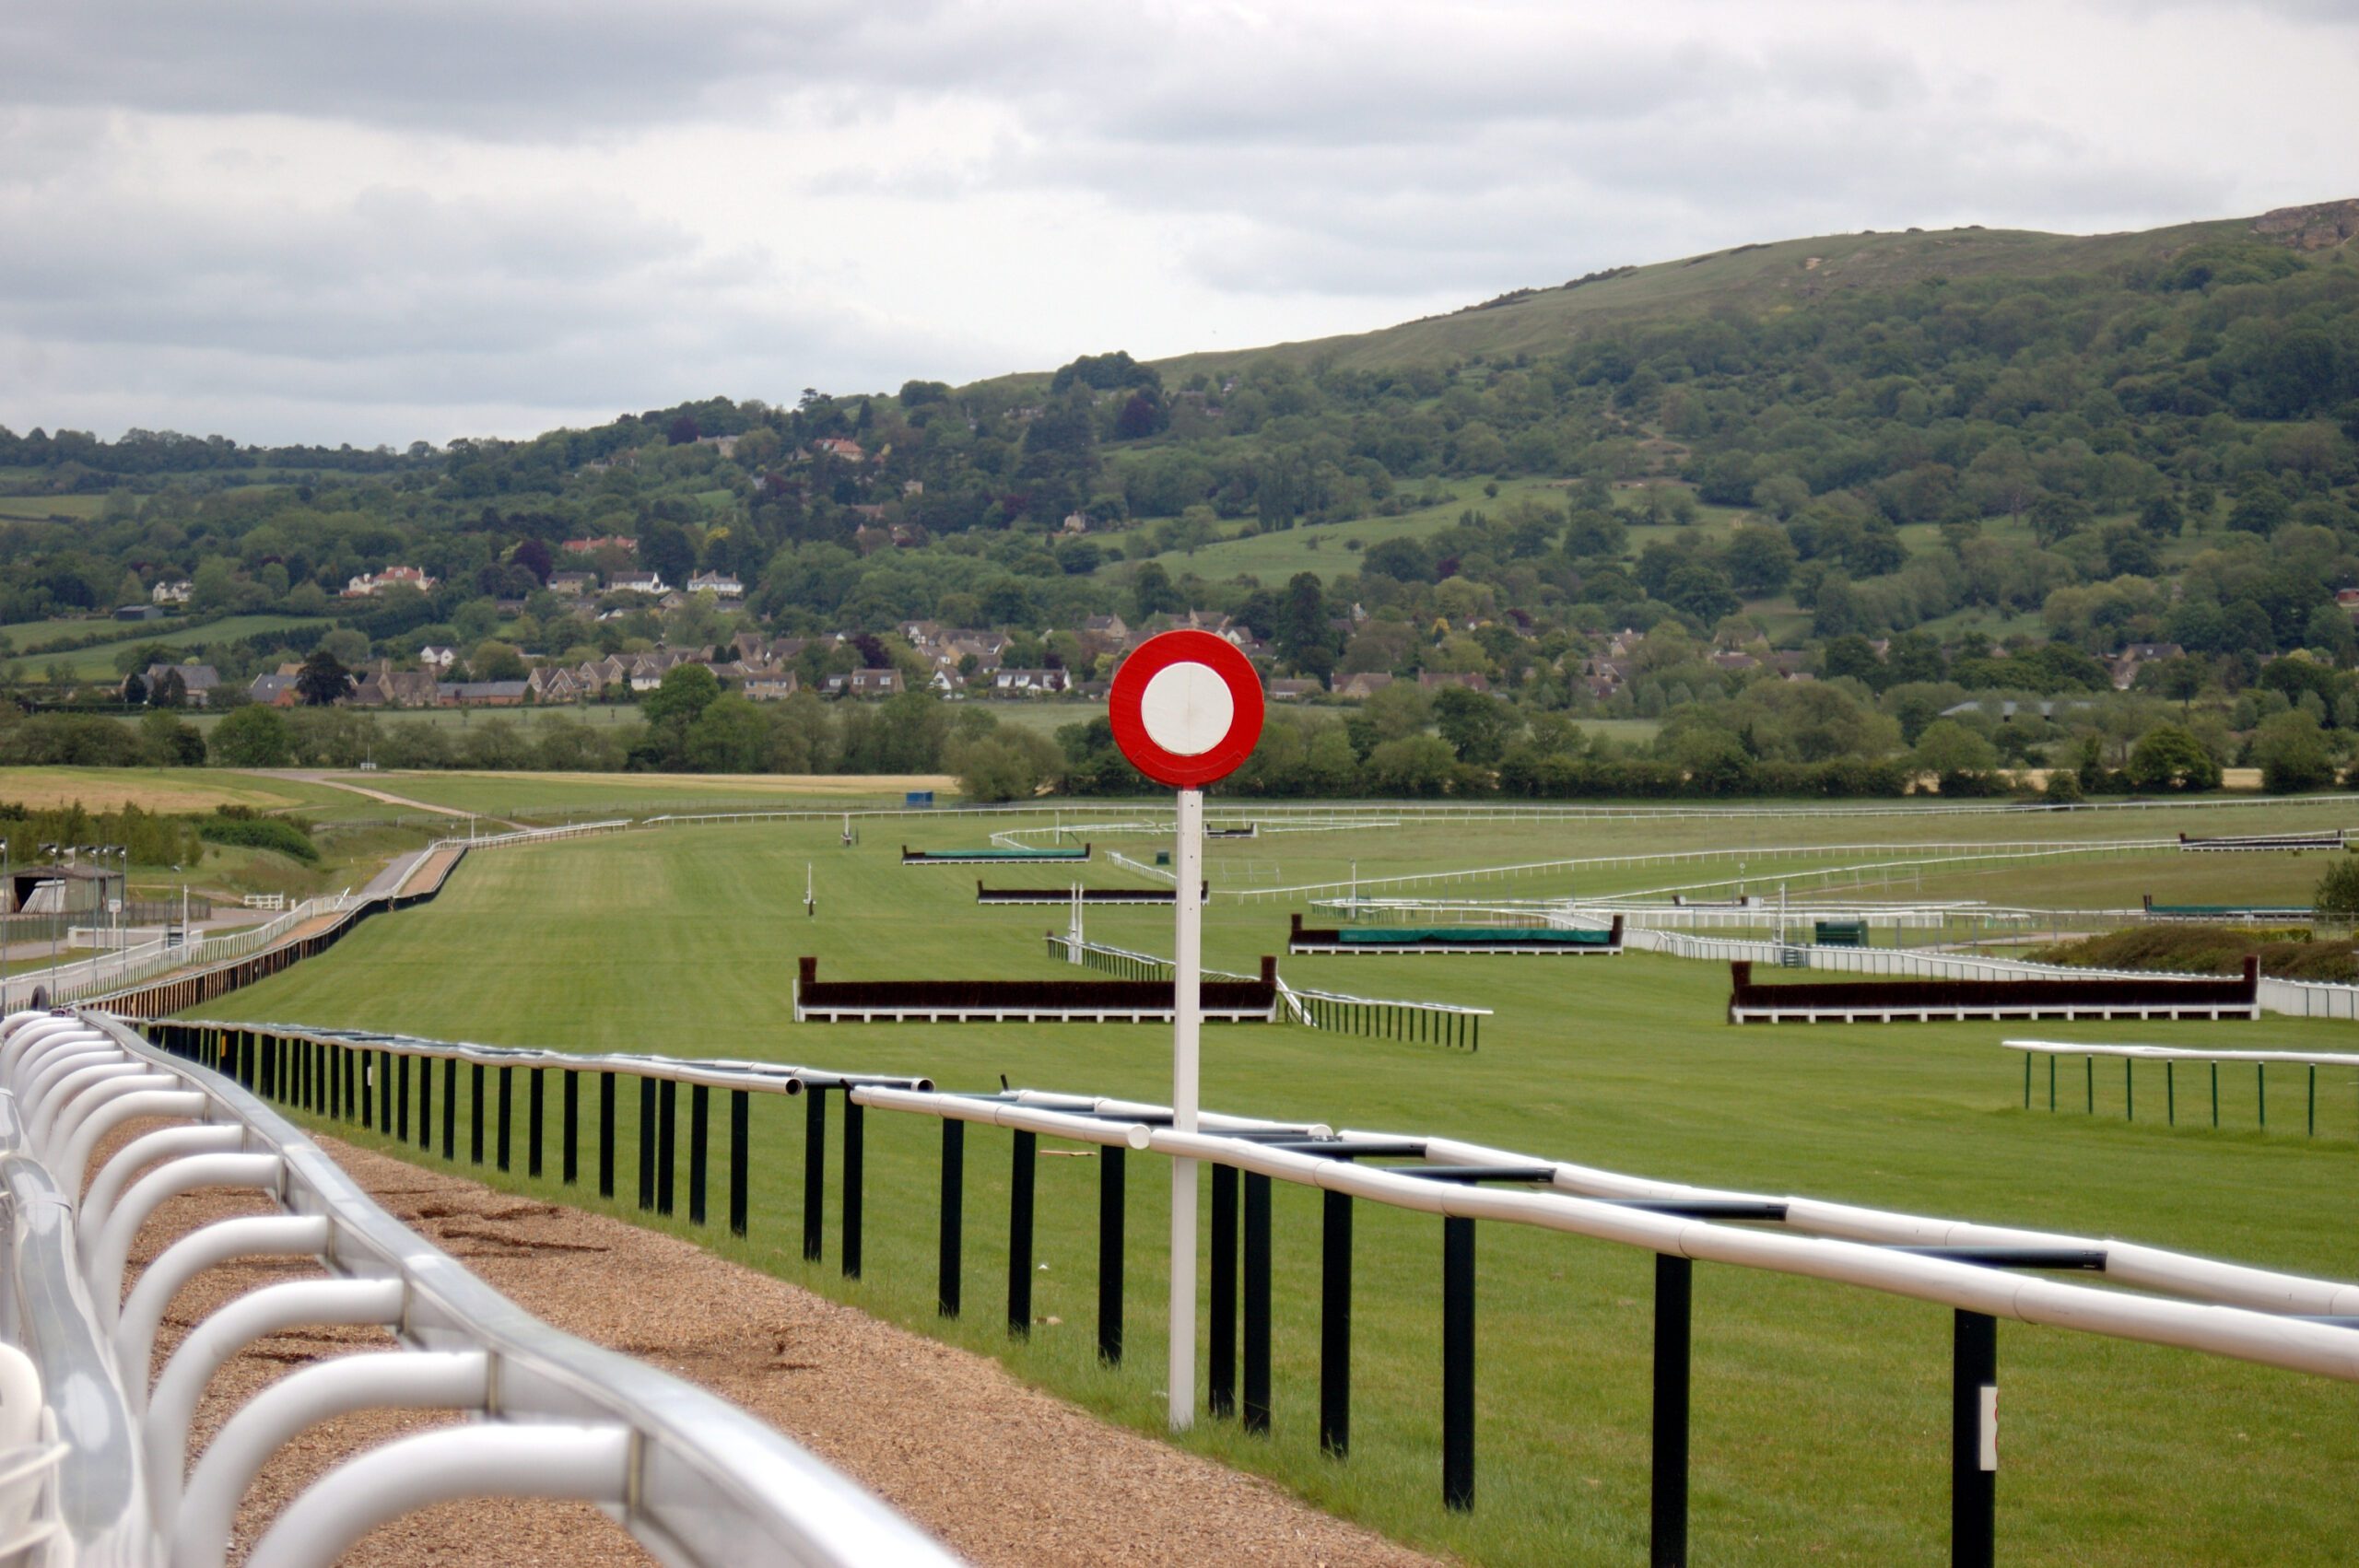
697	1480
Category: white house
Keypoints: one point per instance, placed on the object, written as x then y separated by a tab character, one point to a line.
719	584
171	593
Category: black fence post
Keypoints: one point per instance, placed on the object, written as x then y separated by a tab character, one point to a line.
1674	1304
1457	1363
1335	1324
699	1114
451	1108
1257	1302
270	1057
507	1112
474	1113
1220	1364
535	1120
647	1143
953	1216
1109	1254
387	1069
815	1171
667	1120
606	1135
425	1100
855	1163
1019	1234
364	1062
569	1166
1973	1440
740	1136
401	1097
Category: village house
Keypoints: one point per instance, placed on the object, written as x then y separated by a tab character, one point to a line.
480	694
1361	686
2349	599
837	447
367	585
591	546
274	691
2124	666
174	592
1028	683
638	582
725	445
721	585
1107	632
436	657
865	684
774	688
197	682
1467	680
553	682
574	582
1290	690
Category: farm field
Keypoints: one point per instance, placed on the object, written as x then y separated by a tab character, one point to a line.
99	661
51	508
1821	1412
161	789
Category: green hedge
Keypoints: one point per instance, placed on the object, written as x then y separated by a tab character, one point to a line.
260	833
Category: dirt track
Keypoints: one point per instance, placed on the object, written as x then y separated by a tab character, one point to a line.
1006	1474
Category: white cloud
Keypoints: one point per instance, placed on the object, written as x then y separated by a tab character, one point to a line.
392	219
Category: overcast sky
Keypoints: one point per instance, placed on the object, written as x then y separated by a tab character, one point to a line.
388	220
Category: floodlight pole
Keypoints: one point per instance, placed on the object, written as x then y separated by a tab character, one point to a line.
1187	1020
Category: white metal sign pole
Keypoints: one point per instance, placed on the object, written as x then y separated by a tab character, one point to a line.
1186	1007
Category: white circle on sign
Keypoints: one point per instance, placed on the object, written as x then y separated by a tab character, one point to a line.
1185	709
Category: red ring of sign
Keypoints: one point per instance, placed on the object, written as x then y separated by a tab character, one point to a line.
1151	659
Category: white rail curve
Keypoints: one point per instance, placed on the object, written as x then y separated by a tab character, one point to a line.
697	1480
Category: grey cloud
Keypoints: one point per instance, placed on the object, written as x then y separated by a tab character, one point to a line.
334	326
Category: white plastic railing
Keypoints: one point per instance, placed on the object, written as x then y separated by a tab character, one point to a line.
2234	1311
694	1479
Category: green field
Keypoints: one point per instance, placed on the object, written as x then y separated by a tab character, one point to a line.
1822	1413
99	661
576	795
51	508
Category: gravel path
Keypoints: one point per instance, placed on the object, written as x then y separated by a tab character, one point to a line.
1003	1473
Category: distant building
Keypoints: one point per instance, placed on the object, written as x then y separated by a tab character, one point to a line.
719	584
608	542
176	592
274	691
367	585
638	583
866	683
196	680
1029	683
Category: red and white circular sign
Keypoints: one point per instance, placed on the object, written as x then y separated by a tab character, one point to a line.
1185	709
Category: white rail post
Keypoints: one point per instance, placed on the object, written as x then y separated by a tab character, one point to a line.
1187	1000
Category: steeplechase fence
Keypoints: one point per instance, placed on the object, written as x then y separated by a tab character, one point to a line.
1252	1001
1560	941
2172	1059
990	857
1930	1002
2293	999
1090	897
2296	843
